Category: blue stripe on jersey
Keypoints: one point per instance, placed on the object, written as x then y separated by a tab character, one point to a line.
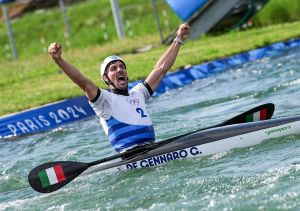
124	136
133	136
127	130
112	122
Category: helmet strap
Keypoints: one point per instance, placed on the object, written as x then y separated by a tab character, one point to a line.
108	81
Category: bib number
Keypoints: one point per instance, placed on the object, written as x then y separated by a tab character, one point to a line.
141	112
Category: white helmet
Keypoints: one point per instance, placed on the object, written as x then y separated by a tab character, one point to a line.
108	60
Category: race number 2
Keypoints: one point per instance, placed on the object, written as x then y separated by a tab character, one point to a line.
141	112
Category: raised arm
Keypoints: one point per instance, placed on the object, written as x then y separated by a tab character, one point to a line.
168	58
90	89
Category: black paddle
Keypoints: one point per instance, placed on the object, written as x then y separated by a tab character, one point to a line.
52	176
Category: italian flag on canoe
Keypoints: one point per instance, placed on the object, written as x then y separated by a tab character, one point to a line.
51	176
259	115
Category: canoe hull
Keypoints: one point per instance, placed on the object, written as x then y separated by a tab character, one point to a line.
210	142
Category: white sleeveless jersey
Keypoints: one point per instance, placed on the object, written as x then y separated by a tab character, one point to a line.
125	119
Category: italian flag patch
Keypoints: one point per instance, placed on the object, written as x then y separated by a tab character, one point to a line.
51	176
259	115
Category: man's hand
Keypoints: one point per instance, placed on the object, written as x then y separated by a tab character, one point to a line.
183	31
55	50
166	61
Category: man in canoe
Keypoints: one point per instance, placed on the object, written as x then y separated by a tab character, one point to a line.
123	112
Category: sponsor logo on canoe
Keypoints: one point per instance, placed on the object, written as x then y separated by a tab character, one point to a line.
278	130
160	159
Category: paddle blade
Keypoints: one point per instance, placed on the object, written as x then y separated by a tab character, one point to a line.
259	113
52	176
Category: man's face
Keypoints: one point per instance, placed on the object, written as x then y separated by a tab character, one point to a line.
117	73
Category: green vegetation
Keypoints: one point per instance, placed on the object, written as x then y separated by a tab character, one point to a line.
35	80
278	11
89	22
